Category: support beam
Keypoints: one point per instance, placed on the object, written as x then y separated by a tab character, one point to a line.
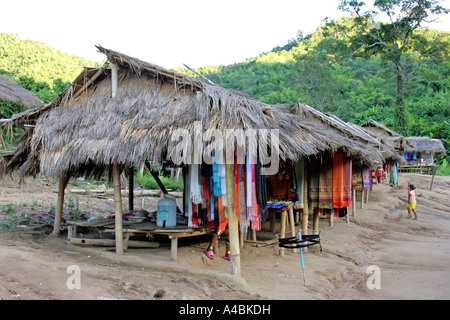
63	179
117	208
316	221
362	198
283	229
305	215
353	202
233	228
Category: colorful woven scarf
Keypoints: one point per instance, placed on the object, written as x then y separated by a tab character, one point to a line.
326	183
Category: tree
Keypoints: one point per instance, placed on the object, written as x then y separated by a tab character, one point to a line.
394	40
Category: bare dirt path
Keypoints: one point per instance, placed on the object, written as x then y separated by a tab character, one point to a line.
411	256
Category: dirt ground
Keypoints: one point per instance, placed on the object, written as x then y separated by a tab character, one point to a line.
409	258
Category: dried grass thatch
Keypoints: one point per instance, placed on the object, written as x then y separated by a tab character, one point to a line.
351	138
424	145
12	92
403	144
84	130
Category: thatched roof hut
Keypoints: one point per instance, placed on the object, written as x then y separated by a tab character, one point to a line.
404	145
84	130
424	145
12	92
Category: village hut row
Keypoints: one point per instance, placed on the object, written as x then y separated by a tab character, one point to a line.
128	112
417	152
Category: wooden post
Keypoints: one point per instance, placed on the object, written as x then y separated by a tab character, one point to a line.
233	228
291	219
117	208
362	198
63	179
283	229
433	168
306	207
316	221
354	202
130	188
273	221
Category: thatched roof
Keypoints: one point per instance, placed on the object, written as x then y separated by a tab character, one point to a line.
12	92
352	138
84	130
401	143
381	129
424	145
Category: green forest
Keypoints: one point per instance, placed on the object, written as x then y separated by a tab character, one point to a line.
325	69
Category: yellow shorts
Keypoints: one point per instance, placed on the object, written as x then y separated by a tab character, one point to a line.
412	205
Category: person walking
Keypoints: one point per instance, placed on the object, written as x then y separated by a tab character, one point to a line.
411	202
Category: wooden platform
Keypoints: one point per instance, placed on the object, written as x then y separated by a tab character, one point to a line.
130	229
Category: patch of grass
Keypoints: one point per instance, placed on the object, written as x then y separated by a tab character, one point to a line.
148	182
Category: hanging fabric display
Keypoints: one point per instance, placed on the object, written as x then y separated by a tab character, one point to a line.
326	183
347	188
282	182
299	172
367	178
313	183
338	180
357	176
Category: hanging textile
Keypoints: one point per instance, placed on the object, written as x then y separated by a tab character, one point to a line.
357	176
299	170
326	183
338	180
186	198
215	169
313	172
393	178
255	213
261	190
347	198
221	209
248	184
243	220
282	182
367	178
195	189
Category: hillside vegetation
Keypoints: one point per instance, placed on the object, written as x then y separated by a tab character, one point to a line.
318	69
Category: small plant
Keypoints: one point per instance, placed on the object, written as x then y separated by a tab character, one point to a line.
74	208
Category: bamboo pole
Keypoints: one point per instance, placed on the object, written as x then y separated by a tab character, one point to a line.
291	219
316	221
283	229
114	80
306	207
63	179
354	202
233	228
362	198
118	208
305	215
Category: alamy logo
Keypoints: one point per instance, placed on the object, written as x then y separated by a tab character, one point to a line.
74	280
374	281
221	147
